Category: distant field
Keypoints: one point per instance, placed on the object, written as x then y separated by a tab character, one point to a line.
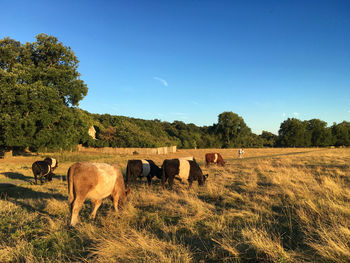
274	205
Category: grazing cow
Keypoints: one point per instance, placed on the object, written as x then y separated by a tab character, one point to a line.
182	170
188	158
142	168
52	162
214	158
94	181
44	169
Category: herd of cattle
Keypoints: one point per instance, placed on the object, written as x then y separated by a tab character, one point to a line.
96	181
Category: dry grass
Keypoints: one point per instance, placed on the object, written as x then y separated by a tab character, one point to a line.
275	205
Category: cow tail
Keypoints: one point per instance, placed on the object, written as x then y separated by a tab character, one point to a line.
70	186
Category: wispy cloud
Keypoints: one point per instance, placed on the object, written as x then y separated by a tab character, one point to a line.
165	83
284	114
296	114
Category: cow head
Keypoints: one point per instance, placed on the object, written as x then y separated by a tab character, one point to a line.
202	179
122	198
221	162
205	177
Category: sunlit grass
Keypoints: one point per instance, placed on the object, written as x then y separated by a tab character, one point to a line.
274	205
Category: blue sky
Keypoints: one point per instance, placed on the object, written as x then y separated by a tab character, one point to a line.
192	60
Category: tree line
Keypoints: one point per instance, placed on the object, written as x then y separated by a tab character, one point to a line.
40	90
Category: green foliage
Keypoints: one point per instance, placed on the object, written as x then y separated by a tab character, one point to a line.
341	133
268	138
234	132
293	133
38	83
319	133
296	133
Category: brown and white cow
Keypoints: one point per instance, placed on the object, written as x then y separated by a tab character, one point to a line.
189	158
94	181
142	168
214	158
182	170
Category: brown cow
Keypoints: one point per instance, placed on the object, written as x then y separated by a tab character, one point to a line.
214	158
94	181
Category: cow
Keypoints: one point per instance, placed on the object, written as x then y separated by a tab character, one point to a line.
142	168
52	162
44	169
94	181
189	158
182	170
214	158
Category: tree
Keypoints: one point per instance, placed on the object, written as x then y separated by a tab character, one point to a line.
56	66
292	133
319	133
269	139
233	130
39	83
341	133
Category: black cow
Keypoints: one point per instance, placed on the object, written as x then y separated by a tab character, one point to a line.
44	169
142	168
182	170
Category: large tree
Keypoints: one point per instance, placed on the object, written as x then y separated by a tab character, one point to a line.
341	133
292	133
269	139
233	130
320	134
39	85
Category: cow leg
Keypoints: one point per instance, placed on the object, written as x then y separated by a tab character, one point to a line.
163	181
41	178
97	204
49	177
115	200
36	179
76	206
189	184
149	179
134	178
171	181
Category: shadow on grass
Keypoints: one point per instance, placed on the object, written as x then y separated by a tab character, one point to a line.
61	177
18	176
27	193
15	194
29	179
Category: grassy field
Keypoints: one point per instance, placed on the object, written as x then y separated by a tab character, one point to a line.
275	205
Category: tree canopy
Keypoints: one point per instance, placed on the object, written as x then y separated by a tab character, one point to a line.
233	130
39	85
